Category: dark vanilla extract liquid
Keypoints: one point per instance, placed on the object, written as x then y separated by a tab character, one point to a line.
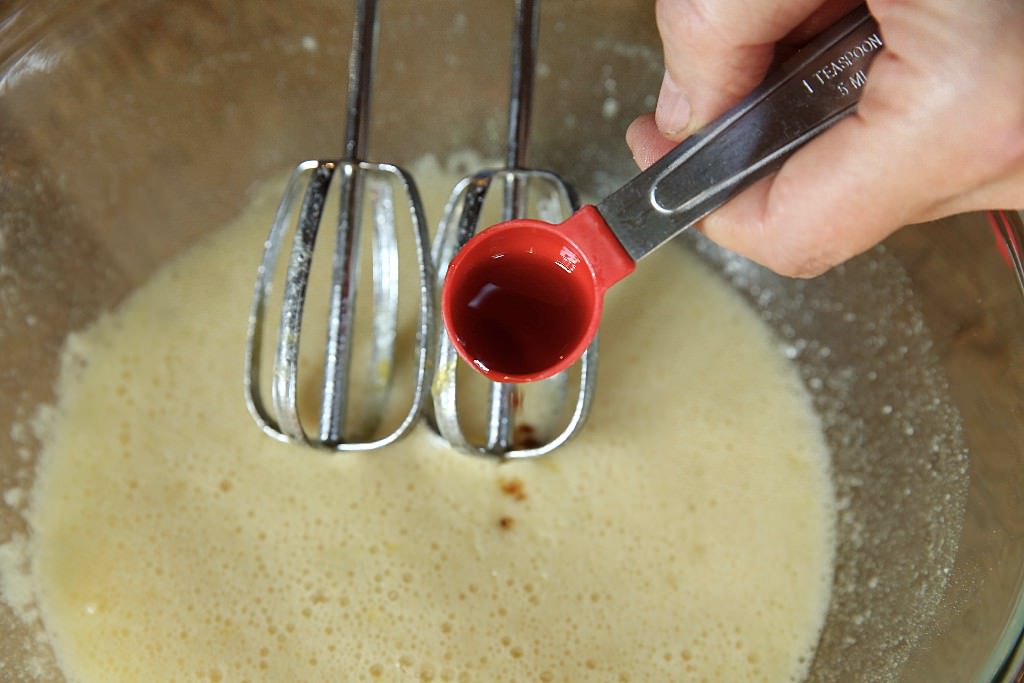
520	313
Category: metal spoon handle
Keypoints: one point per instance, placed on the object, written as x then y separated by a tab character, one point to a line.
807	94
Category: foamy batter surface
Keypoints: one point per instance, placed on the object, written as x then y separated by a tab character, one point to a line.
686	535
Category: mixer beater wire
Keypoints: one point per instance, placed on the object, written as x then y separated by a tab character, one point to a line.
508	433
361	185
520	422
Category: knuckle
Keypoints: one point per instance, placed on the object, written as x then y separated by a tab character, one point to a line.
668	15
691	22
802	253
803	268
780	250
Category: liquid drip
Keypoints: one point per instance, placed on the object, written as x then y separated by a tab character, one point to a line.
519	314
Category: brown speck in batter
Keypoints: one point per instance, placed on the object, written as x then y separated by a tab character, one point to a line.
513	488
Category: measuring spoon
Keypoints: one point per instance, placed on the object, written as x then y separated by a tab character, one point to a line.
522	300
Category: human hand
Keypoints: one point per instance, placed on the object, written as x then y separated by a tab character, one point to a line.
939	128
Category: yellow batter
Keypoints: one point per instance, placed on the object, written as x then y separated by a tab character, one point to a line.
687	535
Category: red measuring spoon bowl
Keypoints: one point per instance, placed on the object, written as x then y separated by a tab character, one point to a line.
522	300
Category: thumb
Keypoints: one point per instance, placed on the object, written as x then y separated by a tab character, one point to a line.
716	52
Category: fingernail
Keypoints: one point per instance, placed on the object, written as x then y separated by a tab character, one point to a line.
673	111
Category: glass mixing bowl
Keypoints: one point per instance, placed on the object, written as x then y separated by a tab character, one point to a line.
130	128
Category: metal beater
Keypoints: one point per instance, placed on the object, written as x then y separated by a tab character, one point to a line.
362	185
510	433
